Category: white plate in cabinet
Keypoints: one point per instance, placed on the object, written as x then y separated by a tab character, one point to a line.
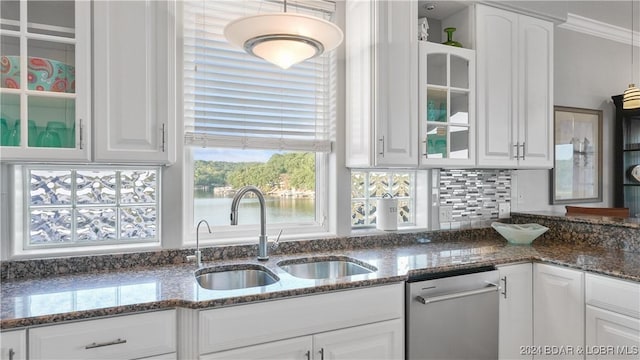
13	345
120	337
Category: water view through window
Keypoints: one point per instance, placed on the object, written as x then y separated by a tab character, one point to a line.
287	180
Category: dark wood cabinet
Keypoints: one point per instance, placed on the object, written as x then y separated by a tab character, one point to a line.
627	158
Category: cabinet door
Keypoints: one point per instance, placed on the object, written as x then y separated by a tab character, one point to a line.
13	345
558	303
535	110
121	337
382	84
497	84
611	335
132	82
291	349
45	108
447	105
516	310
396	83
383	340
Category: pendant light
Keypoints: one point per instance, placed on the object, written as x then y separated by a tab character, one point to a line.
631	97
283	39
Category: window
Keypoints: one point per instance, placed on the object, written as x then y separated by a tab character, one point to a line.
369	186
248	122
85	206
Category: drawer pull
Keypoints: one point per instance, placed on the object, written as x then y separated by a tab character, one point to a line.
97	345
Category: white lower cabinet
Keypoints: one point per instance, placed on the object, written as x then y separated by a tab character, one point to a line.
516	311
148	335
383	340
290	349
610	335
13	345
612	318
558	309
365	323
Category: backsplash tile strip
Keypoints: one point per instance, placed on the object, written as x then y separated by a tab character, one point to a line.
474	194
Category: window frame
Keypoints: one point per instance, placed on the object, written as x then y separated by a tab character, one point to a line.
19	224
241	234
412	198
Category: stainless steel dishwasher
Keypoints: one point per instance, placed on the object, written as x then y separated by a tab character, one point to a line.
453	315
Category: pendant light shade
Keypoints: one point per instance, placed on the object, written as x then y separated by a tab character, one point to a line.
283	39
631	98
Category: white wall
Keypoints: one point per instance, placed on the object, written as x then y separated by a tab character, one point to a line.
588	70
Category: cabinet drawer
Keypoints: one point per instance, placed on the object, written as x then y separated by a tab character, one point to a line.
613	294
13	345
121	337
243	325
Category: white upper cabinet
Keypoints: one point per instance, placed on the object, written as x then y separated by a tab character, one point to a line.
134	81
515	89
45	108
447	105
382	83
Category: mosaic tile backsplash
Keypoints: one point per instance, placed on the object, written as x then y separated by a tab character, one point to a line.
474	194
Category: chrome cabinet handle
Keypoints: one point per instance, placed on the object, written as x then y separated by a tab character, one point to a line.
81	145
11	354
97	345
517	146
381	140
429	300
163	137
321	353
522	150
308	354
504	289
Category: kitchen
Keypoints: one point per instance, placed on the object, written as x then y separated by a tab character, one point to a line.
168	282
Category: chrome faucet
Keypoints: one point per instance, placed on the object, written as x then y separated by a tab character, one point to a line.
262	240
198	253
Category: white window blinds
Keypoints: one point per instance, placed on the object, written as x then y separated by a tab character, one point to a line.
233	99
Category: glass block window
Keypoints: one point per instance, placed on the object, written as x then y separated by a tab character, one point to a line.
369	186
90	206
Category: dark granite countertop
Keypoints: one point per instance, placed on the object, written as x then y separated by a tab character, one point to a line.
631	222
53	299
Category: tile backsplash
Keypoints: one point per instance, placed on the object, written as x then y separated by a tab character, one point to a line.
474	195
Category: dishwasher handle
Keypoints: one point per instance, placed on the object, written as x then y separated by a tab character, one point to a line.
489	288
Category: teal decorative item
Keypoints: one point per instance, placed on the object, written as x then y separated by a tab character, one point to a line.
450	41
4	132
443	112
432	114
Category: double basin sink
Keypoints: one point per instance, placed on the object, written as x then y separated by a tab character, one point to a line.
229	277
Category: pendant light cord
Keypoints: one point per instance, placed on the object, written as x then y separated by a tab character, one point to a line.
285	9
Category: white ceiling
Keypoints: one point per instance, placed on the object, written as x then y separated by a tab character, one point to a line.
614	12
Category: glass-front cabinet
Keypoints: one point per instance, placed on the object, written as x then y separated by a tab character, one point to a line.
627	158
447	105
45	80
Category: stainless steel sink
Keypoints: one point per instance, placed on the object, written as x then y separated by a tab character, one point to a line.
231	277
330	268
